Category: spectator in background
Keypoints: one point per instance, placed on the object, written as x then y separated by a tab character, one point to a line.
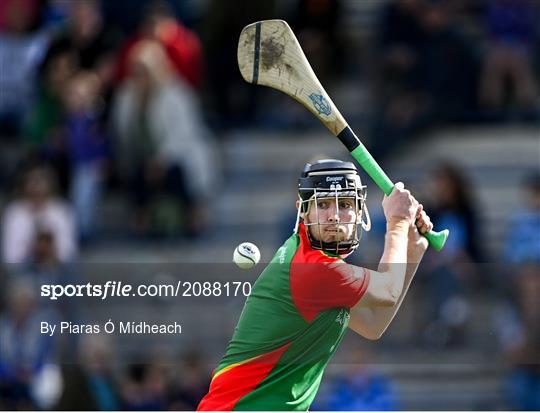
455	208
86	37
452	271
399	37
519	321
37	209
66	124
25	352
316	23
449	65
428	71
511	27
398	99
519	332
90	384
163	144
87	148
182	46
191	383
23	48
362	389
145	387
232	100
43	125
43	265
523	240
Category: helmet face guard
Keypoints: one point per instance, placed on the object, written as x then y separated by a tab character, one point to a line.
335	181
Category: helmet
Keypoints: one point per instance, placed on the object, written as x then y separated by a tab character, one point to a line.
332	178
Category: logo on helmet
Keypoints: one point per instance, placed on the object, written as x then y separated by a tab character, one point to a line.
334	178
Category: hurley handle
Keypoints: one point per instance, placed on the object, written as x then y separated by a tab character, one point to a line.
363	157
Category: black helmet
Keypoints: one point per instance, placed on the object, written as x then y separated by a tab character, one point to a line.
332	178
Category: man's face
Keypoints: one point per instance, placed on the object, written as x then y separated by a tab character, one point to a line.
337	220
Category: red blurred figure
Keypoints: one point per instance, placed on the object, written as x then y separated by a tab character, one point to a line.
183	47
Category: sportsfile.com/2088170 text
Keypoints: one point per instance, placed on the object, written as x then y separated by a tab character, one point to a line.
120	289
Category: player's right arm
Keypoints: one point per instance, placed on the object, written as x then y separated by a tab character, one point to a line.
372	322
386	284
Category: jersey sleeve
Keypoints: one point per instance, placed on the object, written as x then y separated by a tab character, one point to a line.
316	287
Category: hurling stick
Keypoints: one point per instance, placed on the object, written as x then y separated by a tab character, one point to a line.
269	54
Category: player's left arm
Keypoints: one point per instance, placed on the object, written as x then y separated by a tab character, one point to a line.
372	322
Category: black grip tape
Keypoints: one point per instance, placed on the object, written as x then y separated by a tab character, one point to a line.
348	138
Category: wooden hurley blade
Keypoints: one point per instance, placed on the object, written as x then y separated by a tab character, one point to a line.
269	54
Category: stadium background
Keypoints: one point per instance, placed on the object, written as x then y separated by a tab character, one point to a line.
128	137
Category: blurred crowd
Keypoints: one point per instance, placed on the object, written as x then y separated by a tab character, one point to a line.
96	108
95	99
138	104
441	62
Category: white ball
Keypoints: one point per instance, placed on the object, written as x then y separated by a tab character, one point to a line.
246	255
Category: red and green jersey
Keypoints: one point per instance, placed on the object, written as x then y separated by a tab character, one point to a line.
291	325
